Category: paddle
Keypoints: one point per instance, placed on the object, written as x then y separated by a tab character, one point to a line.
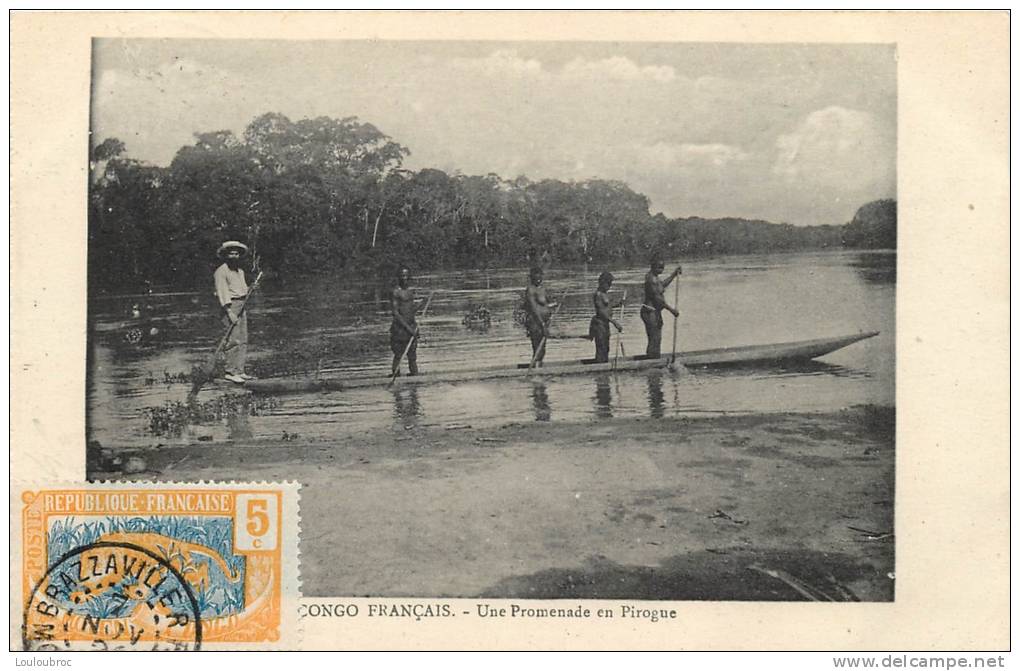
205	372
545	336
410	342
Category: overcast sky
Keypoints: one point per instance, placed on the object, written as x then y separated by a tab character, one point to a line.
802	134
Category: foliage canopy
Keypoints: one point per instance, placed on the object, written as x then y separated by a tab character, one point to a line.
322	194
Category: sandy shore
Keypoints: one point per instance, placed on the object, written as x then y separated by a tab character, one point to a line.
736	507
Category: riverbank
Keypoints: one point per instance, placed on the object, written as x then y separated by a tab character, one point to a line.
749	507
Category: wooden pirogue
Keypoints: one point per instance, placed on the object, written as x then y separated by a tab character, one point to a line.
725	356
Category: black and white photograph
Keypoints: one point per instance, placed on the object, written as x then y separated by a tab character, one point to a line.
528	320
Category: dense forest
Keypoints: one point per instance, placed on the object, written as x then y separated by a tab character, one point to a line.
321	195
873	226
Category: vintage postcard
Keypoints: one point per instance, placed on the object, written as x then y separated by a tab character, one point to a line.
152	567
597	328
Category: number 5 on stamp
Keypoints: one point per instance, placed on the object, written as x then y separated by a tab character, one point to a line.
258	522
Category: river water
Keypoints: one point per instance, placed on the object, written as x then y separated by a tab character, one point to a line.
339	325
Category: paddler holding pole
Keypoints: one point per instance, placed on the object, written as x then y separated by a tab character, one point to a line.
404	328
598	328
537	314
655	303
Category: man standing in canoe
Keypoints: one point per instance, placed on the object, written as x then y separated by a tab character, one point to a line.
598	329
655	303
537	313
231	291
404	328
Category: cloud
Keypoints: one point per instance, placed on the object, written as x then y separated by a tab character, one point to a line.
507	62
836	147
179	76
617	67
156	109
182	66
710	86
503	62
664	155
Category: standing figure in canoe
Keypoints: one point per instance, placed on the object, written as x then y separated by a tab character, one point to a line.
537	313
598	329
404	329
231	291
655	303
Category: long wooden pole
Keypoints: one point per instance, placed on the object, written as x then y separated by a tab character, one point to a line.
676	317
411	341
619	336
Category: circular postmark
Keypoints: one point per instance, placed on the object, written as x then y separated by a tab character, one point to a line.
112	596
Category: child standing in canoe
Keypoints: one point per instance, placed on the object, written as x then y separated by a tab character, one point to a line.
598	329
537	313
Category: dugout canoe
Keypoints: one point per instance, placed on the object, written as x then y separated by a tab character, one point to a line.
749	355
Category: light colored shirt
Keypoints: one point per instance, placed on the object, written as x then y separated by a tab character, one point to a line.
230	284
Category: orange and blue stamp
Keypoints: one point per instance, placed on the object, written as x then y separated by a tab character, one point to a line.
158	567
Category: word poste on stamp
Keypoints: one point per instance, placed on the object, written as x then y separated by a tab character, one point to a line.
152	567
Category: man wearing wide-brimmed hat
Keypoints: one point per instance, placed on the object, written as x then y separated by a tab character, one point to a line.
231	290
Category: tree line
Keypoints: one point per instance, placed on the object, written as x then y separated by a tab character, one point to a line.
324	195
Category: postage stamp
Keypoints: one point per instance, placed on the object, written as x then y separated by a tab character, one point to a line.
155	567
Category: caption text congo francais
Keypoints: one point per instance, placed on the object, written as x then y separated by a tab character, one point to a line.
419	611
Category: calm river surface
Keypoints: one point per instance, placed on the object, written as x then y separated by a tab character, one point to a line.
340	325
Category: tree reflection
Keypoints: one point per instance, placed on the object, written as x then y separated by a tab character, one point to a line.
875	267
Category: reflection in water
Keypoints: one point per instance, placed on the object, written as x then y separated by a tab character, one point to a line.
406	404
656	400
875	267
240	427
540	401
819	367
603	397
778	369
